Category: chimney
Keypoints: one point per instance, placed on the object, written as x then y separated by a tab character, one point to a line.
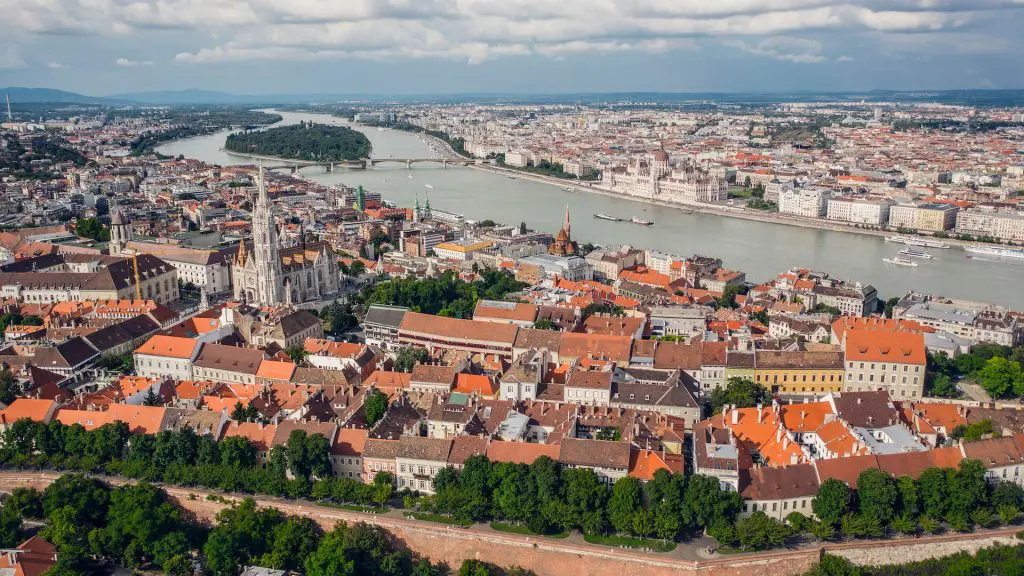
760	416
735	416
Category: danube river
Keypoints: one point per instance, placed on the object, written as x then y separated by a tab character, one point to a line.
761	249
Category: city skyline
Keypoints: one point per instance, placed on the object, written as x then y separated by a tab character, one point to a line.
446	47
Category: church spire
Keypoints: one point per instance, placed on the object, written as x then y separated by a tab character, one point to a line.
565	226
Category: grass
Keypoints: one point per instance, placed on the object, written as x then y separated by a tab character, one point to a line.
516	529
439	518
353	507
630	542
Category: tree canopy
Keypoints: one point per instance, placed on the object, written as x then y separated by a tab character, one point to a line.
303	141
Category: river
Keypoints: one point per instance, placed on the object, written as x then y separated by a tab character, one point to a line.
761	249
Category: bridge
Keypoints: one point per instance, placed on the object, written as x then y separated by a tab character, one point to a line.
274	163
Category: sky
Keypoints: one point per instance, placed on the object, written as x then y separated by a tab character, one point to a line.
102	47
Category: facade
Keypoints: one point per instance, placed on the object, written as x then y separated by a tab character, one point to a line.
974	322
381	325
890	361
678	320
460	250
872	212
437	333
418	460
273	274
799	372
654	178
587	387
925	217
209	270
164	355
991	221
806	202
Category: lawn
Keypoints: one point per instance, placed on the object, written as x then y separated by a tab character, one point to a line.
353	507
439	518
516	529
630	542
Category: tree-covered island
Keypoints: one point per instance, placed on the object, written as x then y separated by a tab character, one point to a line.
302	141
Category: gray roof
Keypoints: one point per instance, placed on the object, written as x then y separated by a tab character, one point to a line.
385	315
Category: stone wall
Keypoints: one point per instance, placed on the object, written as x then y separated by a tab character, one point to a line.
917	549
549	557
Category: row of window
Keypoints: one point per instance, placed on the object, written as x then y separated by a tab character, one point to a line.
752	506
896	367
802	378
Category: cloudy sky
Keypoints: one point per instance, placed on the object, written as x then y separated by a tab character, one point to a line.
102	47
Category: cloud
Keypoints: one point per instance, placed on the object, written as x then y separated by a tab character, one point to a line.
844	59
787	49
10	58
478	30
131	63
56	65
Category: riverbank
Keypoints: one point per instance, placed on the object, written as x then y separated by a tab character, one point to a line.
739	212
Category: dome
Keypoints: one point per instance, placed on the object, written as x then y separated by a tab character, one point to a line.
660	156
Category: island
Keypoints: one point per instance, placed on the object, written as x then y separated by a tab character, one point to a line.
302	141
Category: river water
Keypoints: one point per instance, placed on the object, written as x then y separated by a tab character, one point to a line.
761	249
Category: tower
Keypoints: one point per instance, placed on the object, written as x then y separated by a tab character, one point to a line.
120	233
360	199
265	249
10	117
565	225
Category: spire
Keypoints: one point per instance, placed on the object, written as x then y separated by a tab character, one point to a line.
261	185
565	226
242	255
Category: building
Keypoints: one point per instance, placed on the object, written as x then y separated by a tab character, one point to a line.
986	220
274	275
380	327
609	460
609	262
868	211
473	336
460	250
973	321
571	268
501	312
806	202
418	460
222	363
563	245
653	177
927	217
799	372
588	387
89	277
890	361
164	355
208	270
682	321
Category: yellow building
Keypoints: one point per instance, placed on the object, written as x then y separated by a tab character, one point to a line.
460	249
799	372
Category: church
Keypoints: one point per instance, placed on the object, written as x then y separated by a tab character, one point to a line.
272	274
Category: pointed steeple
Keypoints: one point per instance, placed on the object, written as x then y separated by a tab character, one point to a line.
242	255
565	226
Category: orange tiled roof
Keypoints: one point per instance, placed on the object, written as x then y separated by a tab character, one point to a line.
644	463
168	346
474	384
897	347
31	408
275	370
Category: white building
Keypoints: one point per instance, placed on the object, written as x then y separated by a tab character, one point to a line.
991	221
806	202
873	212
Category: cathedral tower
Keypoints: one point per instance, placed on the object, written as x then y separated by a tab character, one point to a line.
265	249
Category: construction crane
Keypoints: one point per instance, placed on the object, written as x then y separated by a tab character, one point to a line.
138	283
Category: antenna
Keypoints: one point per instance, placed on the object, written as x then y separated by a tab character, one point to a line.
10	117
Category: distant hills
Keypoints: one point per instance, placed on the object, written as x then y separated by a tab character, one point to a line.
213	97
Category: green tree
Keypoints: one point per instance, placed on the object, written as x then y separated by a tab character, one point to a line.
934	495
375	406
10	526
742	392
910	498
760	532
291	543
877	494
968	487
545	324
832	501
9	388
1002	378
624	503
237	452
410	356
890	305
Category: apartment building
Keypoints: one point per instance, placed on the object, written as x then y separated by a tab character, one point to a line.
806	202
986	220
890	361
929	217
868	211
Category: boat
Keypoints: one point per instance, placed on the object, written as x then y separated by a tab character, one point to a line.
511	177
915	253
410	176
996	251
641	221
912	241
603	216
428	186
900	261
568	189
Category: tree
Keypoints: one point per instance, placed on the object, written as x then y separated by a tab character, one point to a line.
877	494
910	498
93	229
375	406
759	532
9	388
139	517
832	501
932	488
904	524
10	526
624	504
317	453
383	488
545	324
27	502
741	392
835	566
728	298
410	356
1002	378
291	543
297	354
152	398
890	305
968	487
760	316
